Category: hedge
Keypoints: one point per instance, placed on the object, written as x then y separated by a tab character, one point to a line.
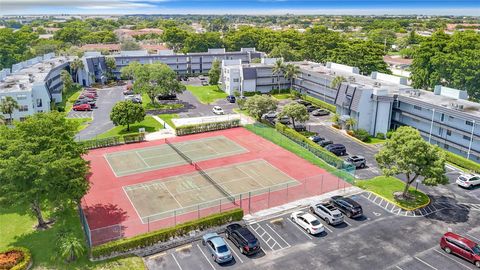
135	137
166	234
321	103
204	127
24	264
112	141
316	149
462	162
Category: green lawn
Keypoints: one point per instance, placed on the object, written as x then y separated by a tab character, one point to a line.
283	96
69	98
148	105
17	229
375	140
206	94
168	118
150	125
82	122
386	186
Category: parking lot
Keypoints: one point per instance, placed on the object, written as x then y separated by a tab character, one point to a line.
378	240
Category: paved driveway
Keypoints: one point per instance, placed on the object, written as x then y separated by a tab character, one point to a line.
195	108
101	116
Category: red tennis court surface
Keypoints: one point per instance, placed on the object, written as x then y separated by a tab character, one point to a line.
151	196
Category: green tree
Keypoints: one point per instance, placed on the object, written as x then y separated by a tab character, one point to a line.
291	72
15	45
350	123
69	247
3	121
407	153
72	32
383	37
125	113
111	66
259	105
129	45
128	72
100	37
296	112
202	42
76	65
335	118
8	106
214	72
175	38
41	164
68	84
337	81
285	51
278	69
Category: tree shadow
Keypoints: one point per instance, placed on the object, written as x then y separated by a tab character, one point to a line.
451	211
105	222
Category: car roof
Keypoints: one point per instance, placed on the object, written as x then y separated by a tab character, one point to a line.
357	157
309	217
247	234
469	175
464	240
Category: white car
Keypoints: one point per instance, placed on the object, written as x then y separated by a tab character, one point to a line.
217	110
468	180
308	222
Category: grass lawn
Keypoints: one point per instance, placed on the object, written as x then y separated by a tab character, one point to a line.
150	125
386	186
374	140
69	98
283	96
17	229
168	118
148	105
207	94
308	133
274	136
82	122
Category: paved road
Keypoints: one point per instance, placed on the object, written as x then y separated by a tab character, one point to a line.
379	240
195	108
101	116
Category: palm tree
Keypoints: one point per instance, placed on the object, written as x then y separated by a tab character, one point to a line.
278	68
291	72
2	120
336	118
70	247
8	105
337	81
350	123
75	65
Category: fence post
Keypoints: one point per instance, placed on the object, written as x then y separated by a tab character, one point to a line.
175	217
268	202
240	200
321	185
220	205
148	224
198	211
249	202
287	192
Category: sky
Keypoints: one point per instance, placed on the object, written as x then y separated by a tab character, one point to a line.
264	7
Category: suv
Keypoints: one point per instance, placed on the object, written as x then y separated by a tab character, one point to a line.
337	149
316	139
320	112
303	102
327	212
311	108
167	97
231	99
300	127
468	180
324	143
243	239
461	246
348	206
357	161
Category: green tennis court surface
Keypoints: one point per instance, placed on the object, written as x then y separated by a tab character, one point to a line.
157	199
163	156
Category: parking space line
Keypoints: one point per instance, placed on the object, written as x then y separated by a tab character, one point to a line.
448	257
157	255
175	259
473	237
301	229
424	262
347	223
209	262
278	236
236	255
269	237
184	247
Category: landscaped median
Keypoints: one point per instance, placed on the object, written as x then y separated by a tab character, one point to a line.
205	127
125	246
385	187
15	258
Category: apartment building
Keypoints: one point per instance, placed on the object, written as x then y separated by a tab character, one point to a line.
34	84
378	103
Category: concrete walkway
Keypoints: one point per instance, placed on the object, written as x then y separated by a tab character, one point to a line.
167	132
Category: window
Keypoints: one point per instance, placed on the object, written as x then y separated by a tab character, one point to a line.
39	102
22	119
446	146
449	132
21	97
23	108
235	80
469	123
450	118
465	137
443	117
417	107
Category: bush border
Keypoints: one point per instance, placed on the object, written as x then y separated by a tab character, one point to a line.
205	127
26	263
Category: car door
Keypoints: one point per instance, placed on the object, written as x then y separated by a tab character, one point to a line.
321	212
211	248
466	252
475	180
235	239
302	222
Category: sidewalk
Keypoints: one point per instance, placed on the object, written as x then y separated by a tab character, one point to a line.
167	132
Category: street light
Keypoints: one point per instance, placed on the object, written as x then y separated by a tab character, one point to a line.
416	186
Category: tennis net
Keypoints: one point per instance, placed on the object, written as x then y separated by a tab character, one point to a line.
180	153
220	188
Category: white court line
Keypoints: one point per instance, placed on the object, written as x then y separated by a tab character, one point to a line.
448	257
236	255
166	188
213	267
140	157
398	267
253	178
278	236
301	229
424	262
126	194
478	239
177	262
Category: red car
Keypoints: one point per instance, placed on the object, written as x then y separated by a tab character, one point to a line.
82	107
91	92
461	246
86	94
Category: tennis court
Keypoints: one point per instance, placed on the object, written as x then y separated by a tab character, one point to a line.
165	155
157	199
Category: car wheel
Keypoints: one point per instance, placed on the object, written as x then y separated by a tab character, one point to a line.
477	264
241	250
293	219
311	210
308	231
227	235
203	242
362	166
327	220
349	215
448	250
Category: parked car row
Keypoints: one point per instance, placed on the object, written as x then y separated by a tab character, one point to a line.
314	110
340	150
86	101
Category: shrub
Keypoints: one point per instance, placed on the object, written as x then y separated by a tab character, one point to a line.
60	108
15	258
462	162
205	127
98	143
362	135
166	234
389	134
251	94
336	126
380	135
135	137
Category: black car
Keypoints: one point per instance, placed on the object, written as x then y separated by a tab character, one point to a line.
300	127
284	120
167	97
311	108
349	207
243	239
316	139
231	99
337	149
303	102
324	143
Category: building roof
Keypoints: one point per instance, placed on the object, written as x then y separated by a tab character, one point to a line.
397	60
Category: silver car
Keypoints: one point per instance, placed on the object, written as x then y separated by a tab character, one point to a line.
217	248
327	212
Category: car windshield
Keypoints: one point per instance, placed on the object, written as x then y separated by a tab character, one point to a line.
476	249
315	222
222	249
252	242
